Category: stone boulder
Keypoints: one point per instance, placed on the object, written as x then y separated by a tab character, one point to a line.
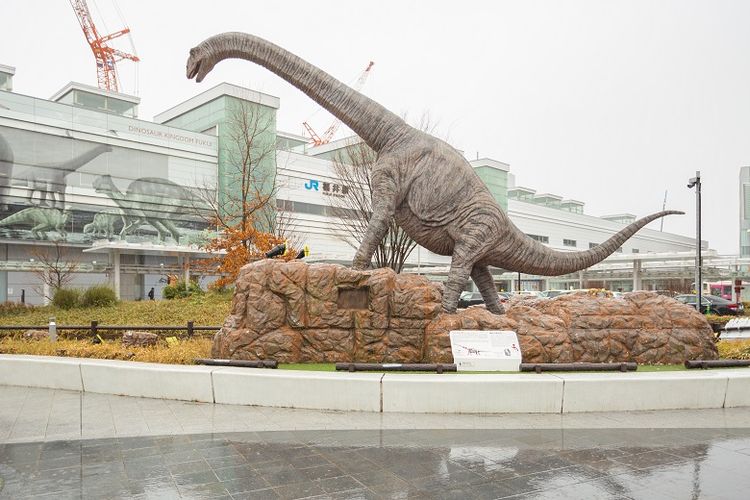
35	335
295	312
139	339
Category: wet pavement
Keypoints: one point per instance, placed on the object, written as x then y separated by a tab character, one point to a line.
506	463
64	444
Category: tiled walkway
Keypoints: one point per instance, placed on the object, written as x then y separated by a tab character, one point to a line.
60	444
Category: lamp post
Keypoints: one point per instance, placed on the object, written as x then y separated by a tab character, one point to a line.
695	182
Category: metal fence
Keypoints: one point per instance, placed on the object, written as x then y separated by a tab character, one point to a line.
94	328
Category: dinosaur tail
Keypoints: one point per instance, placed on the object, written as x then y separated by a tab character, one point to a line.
522	254
16	218
369	120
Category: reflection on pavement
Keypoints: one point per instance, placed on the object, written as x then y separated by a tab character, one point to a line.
528	463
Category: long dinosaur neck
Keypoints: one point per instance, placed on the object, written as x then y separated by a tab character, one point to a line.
377	126
79	161
520	253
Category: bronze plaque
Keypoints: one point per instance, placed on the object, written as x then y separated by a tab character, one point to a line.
354	298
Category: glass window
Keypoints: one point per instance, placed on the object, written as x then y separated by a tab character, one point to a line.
91	101
5	81
539	238
592	245
570	243
635	250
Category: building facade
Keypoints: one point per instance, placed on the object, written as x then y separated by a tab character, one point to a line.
81	170
128	201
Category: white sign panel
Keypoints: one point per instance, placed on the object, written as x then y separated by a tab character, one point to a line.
736	328
493	350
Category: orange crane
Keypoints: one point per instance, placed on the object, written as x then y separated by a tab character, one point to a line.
106	57
331	131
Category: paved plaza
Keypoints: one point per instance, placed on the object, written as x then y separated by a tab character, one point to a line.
63	444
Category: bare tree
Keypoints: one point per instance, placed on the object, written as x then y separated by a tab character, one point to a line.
54	267
352	207
244	193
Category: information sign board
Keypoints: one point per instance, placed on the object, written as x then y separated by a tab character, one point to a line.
485	350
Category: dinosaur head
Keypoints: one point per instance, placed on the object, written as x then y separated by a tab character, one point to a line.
103	184
200	62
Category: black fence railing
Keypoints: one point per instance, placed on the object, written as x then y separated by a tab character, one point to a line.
94	328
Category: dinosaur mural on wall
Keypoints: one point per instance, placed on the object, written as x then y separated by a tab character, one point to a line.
424	183
41	220
51	179
147	200
103	224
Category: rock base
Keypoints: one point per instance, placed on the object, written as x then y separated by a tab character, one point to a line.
295	313
139	339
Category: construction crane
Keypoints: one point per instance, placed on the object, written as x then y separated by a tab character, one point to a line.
106	57
331	131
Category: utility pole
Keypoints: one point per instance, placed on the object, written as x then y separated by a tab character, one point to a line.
695	182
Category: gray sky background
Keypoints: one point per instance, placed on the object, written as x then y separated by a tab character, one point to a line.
610	103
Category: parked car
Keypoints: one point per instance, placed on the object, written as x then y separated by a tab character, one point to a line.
713	304
467	299
549	294
504	296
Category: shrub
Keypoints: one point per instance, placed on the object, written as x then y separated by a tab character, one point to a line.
98	296
66	298
14	308
181	290
169	292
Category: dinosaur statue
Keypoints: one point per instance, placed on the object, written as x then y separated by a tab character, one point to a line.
104	224
41	220
148	200
52	178
427	185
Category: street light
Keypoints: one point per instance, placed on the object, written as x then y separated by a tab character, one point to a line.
695	182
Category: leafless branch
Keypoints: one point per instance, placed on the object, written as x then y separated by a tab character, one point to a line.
54	267
353	208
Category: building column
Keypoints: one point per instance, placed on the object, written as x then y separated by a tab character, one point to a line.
3	286
580	280
637	281
116	272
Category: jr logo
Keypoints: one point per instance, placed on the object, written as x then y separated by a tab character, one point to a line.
311	184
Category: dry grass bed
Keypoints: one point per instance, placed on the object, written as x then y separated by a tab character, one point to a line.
182	353
734	349
205	310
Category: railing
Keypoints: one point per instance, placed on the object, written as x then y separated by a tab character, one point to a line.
94	328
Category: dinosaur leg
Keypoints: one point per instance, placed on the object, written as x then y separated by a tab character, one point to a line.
60	198
43	196
163	231
383	207
483	279
471	243
457	278
38	231
174	230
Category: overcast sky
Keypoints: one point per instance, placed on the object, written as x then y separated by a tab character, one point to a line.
610	103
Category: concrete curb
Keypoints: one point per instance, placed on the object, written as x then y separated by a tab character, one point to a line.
389	392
